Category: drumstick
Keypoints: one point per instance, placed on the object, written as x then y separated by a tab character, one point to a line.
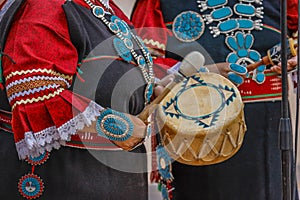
273	56
264	61
189	66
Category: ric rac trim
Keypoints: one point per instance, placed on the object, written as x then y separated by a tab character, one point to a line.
47	71
29	86
155	43
42	98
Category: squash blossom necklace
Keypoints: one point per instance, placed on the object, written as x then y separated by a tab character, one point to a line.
237	23
123	44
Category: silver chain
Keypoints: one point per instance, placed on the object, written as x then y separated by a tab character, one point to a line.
148	74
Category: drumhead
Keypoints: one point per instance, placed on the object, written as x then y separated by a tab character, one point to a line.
201	121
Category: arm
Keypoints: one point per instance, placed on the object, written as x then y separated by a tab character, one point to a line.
46	113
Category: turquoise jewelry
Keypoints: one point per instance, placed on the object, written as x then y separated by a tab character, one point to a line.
237	30
164	162
114	125
30	185
238	33
105	3
188	26
124	46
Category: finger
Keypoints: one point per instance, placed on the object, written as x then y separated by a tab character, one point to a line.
293	59
276	69
140	127
166	80
292	63
129	144
158	90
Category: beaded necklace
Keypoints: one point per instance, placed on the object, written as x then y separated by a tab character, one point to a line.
238	30
123	44
106	4
219	16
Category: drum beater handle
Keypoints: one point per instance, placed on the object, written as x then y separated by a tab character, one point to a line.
190	65
151	107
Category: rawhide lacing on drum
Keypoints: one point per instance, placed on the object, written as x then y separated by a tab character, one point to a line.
201	120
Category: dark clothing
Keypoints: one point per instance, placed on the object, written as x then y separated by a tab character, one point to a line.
61	34
77	174
254	172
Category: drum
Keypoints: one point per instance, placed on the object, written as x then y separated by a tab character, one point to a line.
201	120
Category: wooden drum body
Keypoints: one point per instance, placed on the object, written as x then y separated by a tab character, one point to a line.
201	121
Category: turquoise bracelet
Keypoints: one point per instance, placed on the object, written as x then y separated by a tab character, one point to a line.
114	125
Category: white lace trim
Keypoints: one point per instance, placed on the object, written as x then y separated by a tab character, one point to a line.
35	144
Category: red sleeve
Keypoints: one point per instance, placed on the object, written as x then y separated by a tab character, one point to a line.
292	15
148	20
45	112
161	65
